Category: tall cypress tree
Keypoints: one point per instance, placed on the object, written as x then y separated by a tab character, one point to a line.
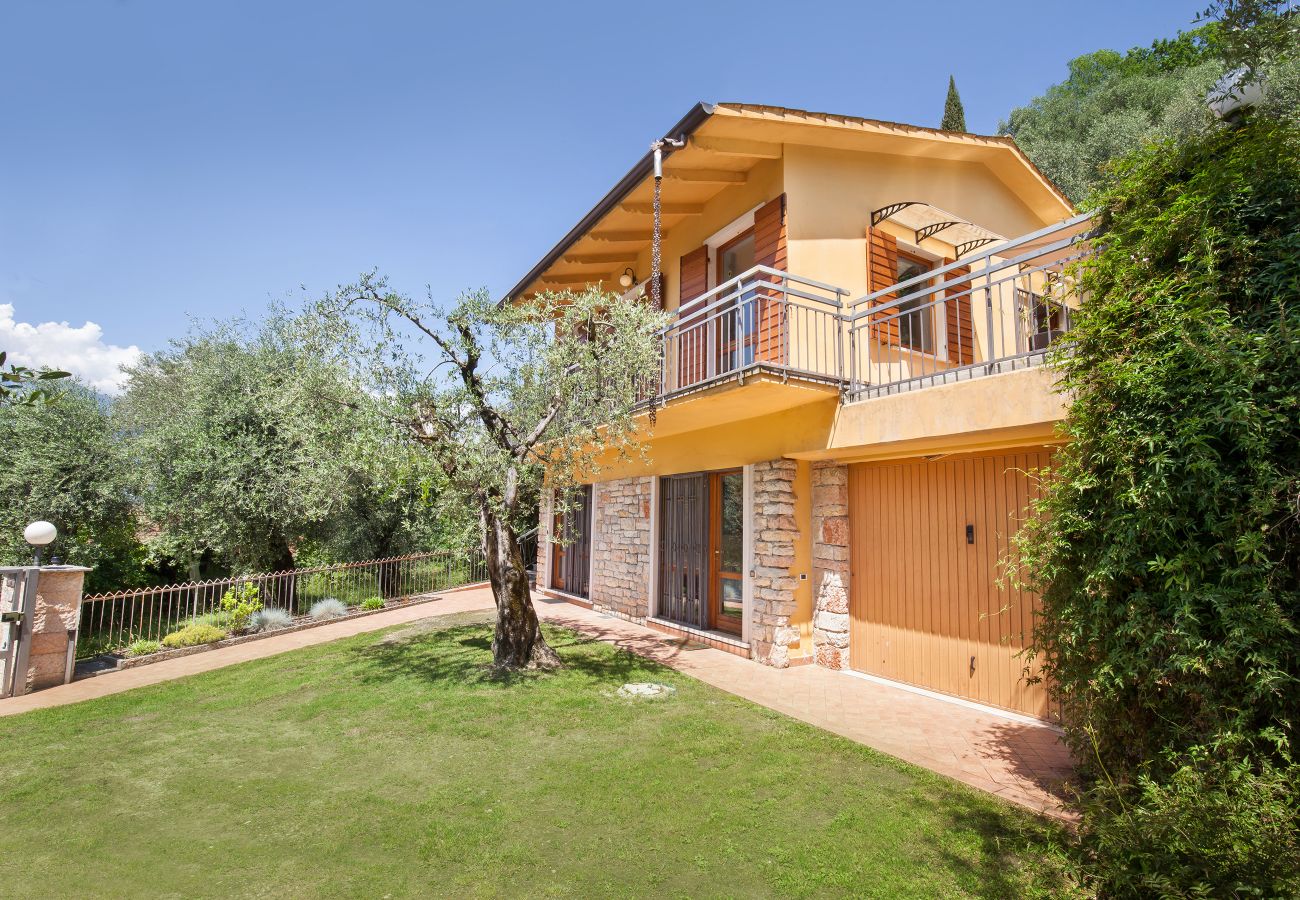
954	115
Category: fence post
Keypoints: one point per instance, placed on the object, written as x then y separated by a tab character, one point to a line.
47	631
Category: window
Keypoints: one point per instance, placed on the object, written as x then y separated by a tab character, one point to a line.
915	318
736	257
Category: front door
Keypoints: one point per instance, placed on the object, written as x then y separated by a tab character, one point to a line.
727	541
683	548
701	549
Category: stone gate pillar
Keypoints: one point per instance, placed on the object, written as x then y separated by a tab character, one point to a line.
54	625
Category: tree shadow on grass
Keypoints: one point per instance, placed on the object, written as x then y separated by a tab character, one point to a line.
462	655
1018	853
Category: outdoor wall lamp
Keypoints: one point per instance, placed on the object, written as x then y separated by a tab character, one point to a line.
628	278
39	534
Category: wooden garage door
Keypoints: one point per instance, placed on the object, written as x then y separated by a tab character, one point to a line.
926	607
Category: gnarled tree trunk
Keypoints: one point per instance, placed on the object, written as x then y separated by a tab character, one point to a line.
517	642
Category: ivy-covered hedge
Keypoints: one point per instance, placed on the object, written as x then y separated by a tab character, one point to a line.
1167	549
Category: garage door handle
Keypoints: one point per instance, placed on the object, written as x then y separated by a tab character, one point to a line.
972	665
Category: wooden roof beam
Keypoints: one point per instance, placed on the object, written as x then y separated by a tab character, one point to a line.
736	147
621	237
625	258
667	209
569	280
706	176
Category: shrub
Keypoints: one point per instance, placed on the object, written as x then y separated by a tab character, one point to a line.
269	619
239	603
372	603
193	636
1218	826
143	647
1166	547
329	608
215	619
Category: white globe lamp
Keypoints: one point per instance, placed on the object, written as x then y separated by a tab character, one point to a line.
40	534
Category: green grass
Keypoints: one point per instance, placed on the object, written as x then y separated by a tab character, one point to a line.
395	764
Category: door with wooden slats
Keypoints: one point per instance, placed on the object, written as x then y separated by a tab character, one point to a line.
929	604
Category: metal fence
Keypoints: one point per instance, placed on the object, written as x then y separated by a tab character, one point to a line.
111	621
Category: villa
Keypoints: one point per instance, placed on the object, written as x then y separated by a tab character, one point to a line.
851	402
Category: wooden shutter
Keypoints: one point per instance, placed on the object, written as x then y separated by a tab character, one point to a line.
770	251
961	331
692	343
882	271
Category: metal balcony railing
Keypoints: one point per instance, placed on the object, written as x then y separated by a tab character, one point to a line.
991	312
763	319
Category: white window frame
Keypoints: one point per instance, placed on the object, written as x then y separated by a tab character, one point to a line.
940	318
731	230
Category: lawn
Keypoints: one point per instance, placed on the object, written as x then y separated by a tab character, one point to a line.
395	764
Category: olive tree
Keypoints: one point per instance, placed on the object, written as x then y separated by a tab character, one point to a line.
503	397
63	462
20	385
243	457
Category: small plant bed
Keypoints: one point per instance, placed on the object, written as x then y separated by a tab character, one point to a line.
205	632
401	765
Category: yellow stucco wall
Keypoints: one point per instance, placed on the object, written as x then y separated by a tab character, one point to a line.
734	443
984	413
830	195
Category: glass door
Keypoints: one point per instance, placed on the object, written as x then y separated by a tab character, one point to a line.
727	539
738	321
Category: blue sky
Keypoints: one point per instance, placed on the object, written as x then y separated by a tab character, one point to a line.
168	160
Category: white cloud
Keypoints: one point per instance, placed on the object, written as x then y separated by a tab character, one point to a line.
58	345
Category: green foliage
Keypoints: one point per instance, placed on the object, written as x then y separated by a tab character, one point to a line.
495	394
239	603
954	114
329	608
1113	103
193	636
1253	33
372	603
245	445
216	619
1220	824
1167	545
23	386
63	462
143	647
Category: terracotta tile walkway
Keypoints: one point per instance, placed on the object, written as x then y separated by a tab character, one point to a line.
1024	764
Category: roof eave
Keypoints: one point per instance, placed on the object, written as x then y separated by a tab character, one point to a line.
686	126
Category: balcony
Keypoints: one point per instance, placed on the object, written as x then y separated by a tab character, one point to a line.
993	312
763	321
986	314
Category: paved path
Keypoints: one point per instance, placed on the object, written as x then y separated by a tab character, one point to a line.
1024	764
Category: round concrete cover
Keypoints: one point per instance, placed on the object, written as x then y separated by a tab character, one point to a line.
646	689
